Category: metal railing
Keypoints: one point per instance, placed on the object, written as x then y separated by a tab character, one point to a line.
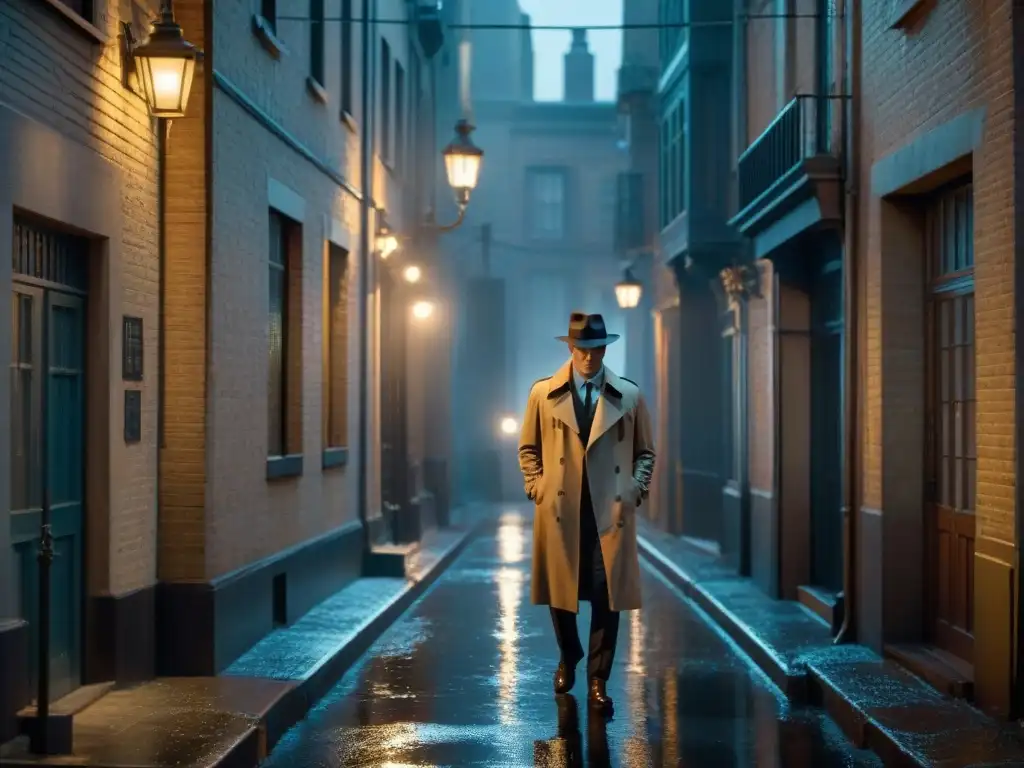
630	216
806	127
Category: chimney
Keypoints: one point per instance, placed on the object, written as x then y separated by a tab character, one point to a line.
579	69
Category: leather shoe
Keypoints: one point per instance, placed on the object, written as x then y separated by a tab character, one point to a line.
598	696
565	678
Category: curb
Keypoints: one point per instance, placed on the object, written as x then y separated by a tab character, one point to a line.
293	705
795	683
843	681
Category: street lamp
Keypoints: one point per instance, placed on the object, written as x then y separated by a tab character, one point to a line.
628	290
422	310
165	65
412	274
509	426
462	159
387	242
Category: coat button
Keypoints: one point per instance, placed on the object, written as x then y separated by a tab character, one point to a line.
558	519
621	523
618	498
561	493
616	470
561	460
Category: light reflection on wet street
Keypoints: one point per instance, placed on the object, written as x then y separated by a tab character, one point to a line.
464	679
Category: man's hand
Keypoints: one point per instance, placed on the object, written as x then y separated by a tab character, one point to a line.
531	462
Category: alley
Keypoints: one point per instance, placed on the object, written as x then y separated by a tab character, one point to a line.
464	679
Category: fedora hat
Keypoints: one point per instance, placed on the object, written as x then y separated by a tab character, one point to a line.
587	331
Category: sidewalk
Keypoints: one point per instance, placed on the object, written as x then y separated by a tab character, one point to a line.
879	705
235	719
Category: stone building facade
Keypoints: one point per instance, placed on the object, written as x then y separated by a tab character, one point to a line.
871	457
210	495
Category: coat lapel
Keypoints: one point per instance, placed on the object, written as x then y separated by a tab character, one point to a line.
609	407
560	391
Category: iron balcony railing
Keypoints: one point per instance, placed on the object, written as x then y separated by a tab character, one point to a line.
807	127
630	216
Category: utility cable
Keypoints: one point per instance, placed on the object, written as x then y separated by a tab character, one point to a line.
589	27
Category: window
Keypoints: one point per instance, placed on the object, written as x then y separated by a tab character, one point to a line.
399	115
670	12
284	337
336	348
268	10
346	56
673	163
546	204
277	393
316	40
385	100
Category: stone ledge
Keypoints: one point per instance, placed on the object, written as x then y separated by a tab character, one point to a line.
235	719
878	704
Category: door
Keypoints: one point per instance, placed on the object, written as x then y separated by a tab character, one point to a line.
951	449
47	462
392	404
826	428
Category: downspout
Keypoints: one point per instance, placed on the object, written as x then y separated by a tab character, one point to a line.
851	104
366	200
742	427
776	336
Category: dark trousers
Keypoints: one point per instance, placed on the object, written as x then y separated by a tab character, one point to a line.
593	581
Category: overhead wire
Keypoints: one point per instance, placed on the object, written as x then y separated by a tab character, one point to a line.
571	27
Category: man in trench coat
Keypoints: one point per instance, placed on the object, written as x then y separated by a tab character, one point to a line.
587	455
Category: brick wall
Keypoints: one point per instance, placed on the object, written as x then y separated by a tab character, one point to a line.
183	467
956	58
248	518
61	76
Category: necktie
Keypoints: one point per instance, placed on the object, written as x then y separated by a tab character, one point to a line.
588	402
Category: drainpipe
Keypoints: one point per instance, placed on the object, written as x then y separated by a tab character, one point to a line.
366	200
776	336
851	18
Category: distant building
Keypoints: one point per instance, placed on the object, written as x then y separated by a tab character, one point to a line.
537	242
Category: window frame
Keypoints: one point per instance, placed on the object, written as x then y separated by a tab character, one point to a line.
400	86
385	101
317	41
532	175
346	93
336	379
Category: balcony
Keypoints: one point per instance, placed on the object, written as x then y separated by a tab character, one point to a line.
790	178
632	232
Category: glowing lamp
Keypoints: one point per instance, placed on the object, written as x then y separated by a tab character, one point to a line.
628	291
422	310
462	160
165	65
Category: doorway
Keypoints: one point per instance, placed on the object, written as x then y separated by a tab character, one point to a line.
393	474
826	428
951	450
48	436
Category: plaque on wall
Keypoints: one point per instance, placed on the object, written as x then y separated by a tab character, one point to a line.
131	349
132	415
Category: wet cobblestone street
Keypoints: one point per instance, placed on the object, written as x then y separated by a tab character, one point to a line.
464	679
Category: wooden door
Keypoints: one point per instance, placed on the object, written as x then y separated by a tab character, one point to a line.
952	454
48	324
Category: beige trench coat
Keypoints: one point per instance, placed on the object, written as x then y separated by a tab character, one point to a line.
620	461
